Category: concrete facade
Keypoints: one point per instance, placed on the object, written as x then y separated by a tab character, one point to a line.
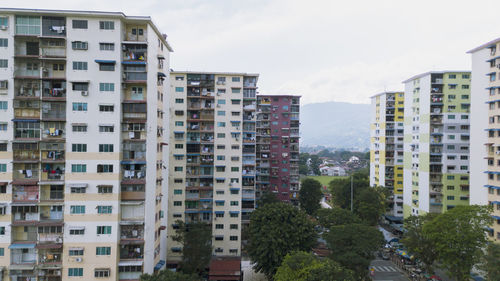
436	142
386	146
82	166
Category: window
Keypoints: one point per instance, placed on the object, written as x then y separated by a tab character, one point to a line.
235	79
4	42
464	117
80	86
79	45
80	65
4	21
235	113
3	105
465	76
101	273
233	215
179	78
78	189
103	251
4	63
107	67
177	203
78	168
106	128
103	229
3	147
233	226
104	189
179	146
235	101
465	87
79	147
221	135
106	108
3	168
77	231
106	25
177	191
451	116
105	147
235	90
179	113
178	169
76	252
235	147
107	87
179	100
104	168
75	271
179	123
221	113
179	89
77	209
221	101
28	25
234	203
3	127
233	238
80	24
452	76
107	46
235	169
219	226
221	124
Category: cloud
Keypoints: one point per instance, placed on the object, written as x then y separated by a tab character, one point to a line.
322	49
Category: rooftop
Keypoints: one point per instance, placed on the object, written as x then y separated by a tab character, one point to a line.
388	92
119	15
214	73
485	45
434	72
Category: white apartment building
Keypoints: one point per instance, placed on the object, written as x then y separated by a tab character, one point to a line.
485	130
212	156
82	135
436	142
386	147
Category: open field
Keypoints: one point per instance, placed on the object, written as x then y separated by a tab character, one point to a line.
324	180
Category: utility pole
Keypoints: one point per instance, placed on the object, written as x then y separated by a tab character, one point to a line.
352	209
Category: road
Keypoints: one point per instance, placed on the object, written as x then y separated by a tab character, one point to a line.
385	270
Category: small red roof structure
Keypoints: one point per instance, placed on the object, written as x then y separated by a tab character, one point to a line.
225	268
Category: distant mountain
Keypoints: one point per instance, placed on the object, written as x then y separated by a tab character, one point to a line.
338	124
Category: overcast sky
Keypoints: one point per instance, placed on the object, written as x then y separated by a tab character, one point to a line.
324	50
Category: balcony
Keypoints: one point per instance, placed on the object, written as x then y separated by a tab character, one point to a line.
132	192
26	72
53	26
53	172
53	90
135	94
135	111
25	215
135	33
53	71
132	211
51	193
53	111
53	49
25	152
131	234
131	252
26	113
135	74
134	54
133	173
25	256
50	257
25	174
51	214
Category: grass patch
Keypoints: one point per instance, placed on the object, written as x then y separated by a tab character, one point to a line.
324	180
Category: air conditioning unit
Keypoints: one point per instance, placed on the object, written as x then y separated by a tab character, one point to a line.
3	27
78	259
498	152
85	93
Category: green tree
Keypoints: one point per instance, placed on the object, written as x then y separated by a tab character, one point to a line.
418	243
459	236
167	275
341	189
353	245
310	195
336	216
196	240
276	230
369	205
491	263
303	168
267	197
302	266
315	162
